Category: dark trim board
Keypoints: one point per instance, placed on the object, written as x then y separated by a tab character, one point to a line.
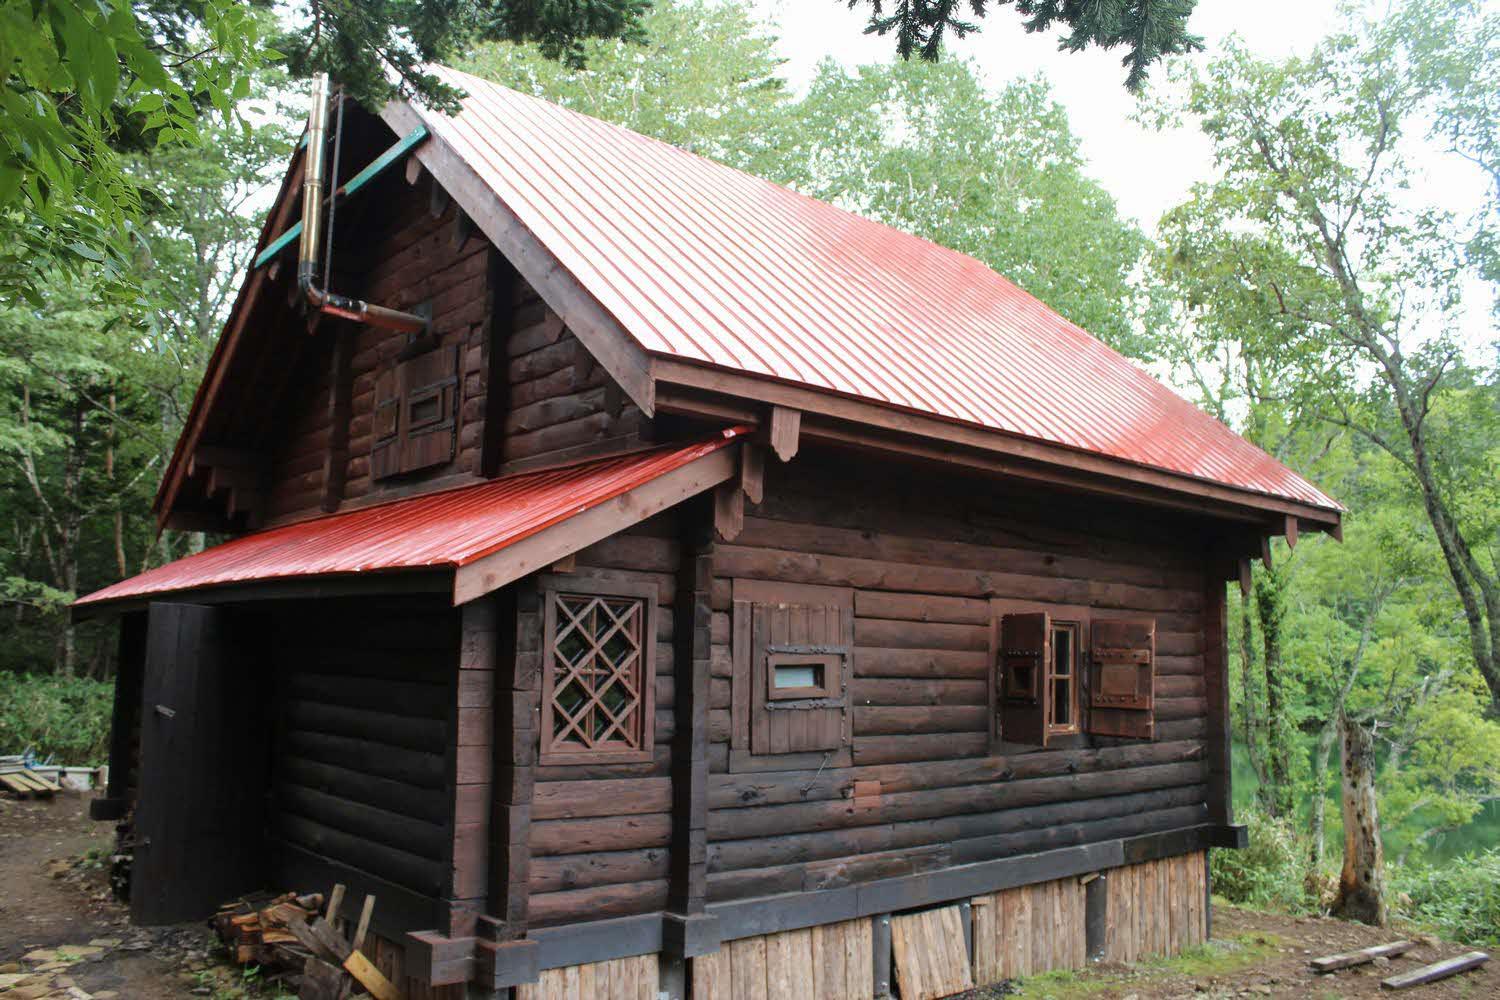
624	937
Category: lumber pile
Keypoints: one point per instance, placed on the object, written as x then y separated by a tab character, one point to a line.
295	939
21	781
1416	977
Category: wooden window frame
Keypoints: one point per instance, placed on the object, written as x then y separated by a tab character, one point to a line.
797	656
751	690
1084	670
1054	728
554	753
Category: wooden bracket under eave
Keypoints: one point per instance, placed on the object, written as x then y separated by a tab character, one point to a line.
785	432
1244	577
1291	531
730	496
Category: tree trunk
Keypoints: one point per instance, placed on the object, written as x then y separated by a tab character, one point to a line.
1320	795
1249	701
1277	792
1362	884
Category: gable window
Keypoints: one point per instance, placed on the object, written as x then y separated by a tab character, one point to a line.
1062	670
416	414
598	678
790	647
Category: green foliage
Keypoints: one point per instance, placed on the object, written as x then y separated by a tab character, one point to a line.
1148	30
79	78
1459	900
65	718
1270	873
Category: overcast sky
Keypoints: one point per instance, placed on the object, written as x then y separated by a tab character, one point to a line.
1146	171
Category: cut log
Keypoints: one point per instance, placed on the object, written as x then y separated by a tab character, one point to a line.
1437	970
1331	963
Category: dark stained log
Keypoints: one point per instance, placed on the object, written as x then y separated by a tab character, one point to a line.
549	909
381	793
1215	689
583	799
413	836
422	875
580	836
336	457
584	871
409	766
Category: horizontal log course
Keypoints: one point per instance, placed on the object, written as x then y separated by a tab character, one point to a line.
396	697
609	833
392	828
890	633
789	849
878	720
581	799
549	909
584	871
419	874
944	544
919	747
872	661
952	801
911	691
382	728
732	791
413	767
372	790
766	881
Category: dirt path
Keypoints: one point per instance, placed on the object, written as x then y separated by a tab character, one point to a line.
61	935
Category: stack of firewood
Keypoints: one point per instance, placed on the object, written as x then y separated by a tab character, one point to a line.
293	937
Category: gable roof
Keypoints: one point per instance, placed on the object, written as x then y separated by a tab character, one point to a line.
704	264
476	531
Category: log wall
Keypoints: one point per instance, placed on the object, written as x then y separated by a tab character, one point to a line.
924	556
361	770
600	833
553	402
404	258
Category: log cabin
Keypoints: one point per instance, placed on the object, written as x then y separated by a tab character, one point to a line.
659	580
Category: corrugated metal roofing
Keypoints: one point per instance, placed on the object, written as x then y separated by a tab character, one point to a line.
451	528
704	263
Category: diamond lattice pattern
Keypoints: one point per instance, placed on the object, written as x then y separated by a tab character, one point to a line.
596	691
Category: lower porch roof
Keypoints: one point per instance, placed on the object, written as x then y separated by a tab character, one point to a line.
488	534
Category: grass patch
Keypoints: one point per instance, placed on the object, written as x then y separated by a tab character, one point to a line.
1218	957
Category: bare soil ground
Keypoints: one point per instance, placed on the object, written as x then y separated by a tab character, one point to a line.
63	936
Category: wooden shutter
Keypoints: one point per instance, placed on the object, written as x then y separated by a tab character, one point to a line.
429	408
805	637
416	414
1023	663
385	451
1122	680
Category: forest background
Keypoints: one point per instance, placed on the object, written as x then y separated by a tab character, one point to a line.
1315	294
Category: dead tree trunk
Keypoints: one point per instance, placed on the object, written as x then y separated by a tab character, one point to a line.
1362	883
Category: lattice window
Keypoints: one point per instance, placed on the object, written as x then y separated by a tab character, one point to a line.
597	700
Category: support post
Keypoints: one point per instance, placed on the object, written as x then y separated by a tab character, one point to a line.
125	719
687	929
516	692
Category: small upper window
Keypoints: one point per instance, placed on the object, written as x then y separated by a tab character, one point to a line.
597	702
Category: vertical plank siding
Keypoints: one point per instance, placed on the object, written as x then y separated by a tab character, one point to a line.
360	771
601	833
1156	908
924	562
830	962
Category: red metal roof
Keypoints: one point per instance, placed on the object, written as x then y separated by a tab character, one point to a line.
450	529
704	263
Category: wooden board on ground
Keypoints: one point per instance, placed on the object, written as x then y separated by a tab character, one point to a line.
932	960
25	785
1437	970
1331	963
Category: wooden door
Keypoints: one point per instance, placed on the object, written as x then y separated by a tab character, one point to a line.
200	812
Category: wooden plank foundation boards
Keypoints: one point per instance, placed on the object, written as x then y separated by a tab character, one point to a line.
634	978
1437	970
932	960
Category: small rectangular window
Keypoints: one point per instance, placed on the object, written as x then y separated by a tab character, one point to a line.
801	675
